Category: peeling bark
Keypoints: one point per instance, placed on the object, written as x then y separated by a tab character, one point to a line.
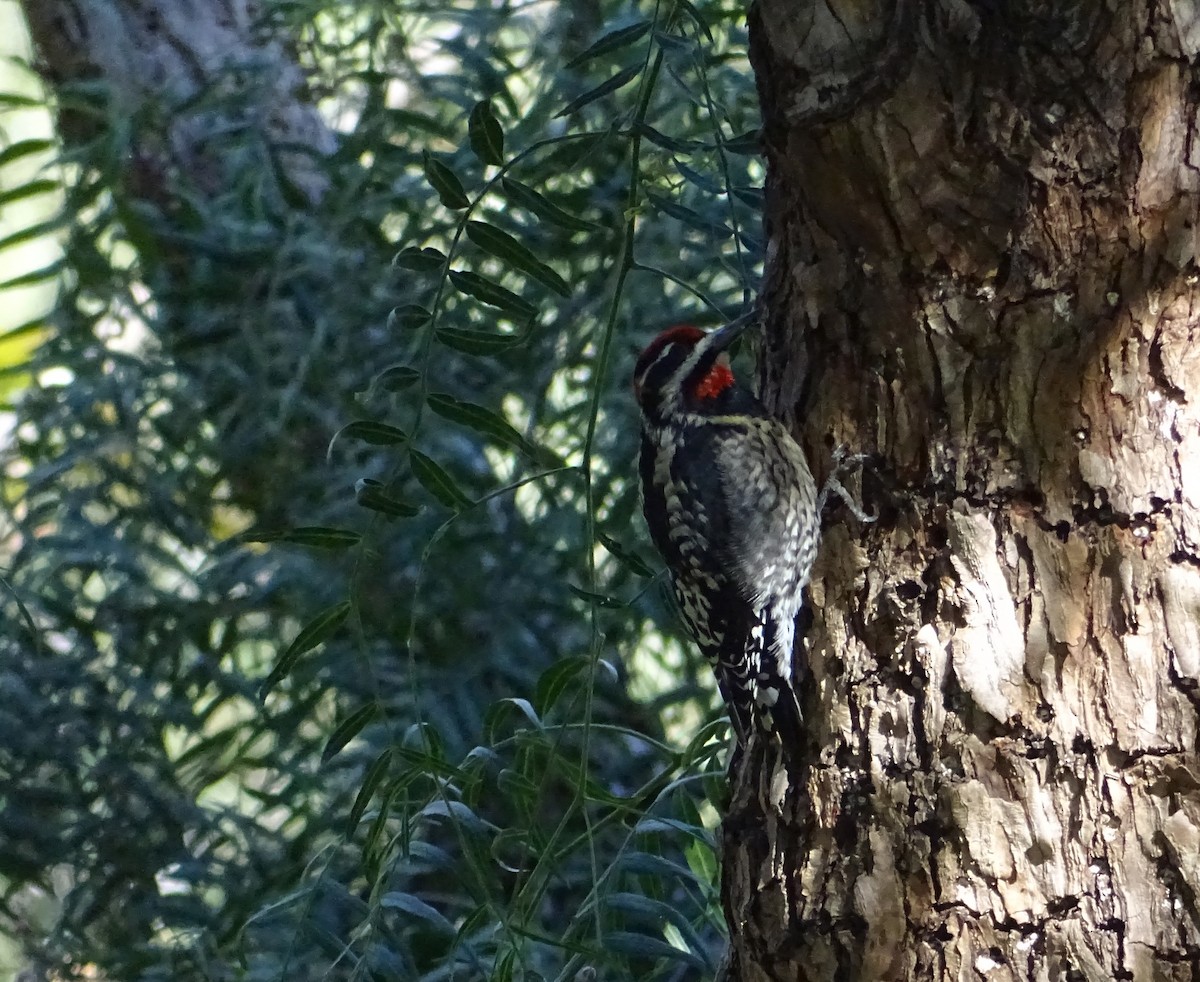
983	269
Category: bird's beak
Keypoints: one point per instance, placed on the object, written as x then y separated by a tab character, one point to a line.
721	339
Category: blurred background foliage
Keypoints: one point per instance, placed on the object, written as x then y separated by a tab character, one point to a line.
332	645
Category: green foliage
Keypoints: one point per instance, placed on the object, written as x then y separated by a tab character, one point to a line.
329	594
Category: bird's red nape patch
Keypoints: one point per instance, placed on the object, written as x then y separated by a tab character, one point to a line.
718	379
682	333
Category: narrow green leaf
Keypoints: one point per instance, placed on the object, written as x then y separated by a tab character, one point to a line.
654	825
474	285
526	197
36	276
644	946
578	152
655	913
691	10
746	144
415	907
315	632
477	418
688	810
656	866
503	972
689	216
751	196
555	679
521	790
652	910
508	249
371	494
486	135
373	432
48	227
627	557
461	815
703	181
500	711
671	143
432	857
406	120
409	316
752	244
38	325
479	342
427	260
28	190
610	41
621	79
434	479
445	182
23	148
397	378
599	599
424	742
374	845
480	758
14	100
375	777
698	747
543	456
318	536
32	634
675	45
702	861
349	728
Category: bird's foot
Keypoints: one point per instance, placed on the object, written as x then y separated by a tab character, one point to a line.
843	463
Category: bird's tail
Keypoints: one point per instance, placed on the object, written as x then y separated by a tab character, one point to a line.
756	681
777	704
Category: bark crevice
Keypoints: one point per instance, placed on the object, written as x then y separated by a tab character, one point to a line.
986	276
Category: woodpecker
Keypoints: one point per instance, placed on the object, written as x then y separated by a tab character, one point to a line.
733	508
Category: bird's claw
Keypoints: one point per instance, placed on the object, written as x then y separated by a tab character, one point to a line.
843	463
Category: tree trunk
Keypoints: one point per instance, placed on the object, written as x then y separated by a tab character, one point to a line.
219	165
173	52
982	228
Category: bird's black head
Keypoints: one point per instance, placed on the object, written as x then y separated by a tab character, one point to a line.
684	370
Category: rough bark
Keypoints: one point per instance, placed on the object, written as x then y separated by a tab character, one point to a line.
982	223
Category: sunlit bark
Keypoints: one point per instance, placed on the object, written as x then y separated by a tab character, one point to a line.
982	220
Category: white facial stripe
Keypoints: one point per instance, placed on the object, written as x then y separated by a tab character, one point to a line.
674	388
